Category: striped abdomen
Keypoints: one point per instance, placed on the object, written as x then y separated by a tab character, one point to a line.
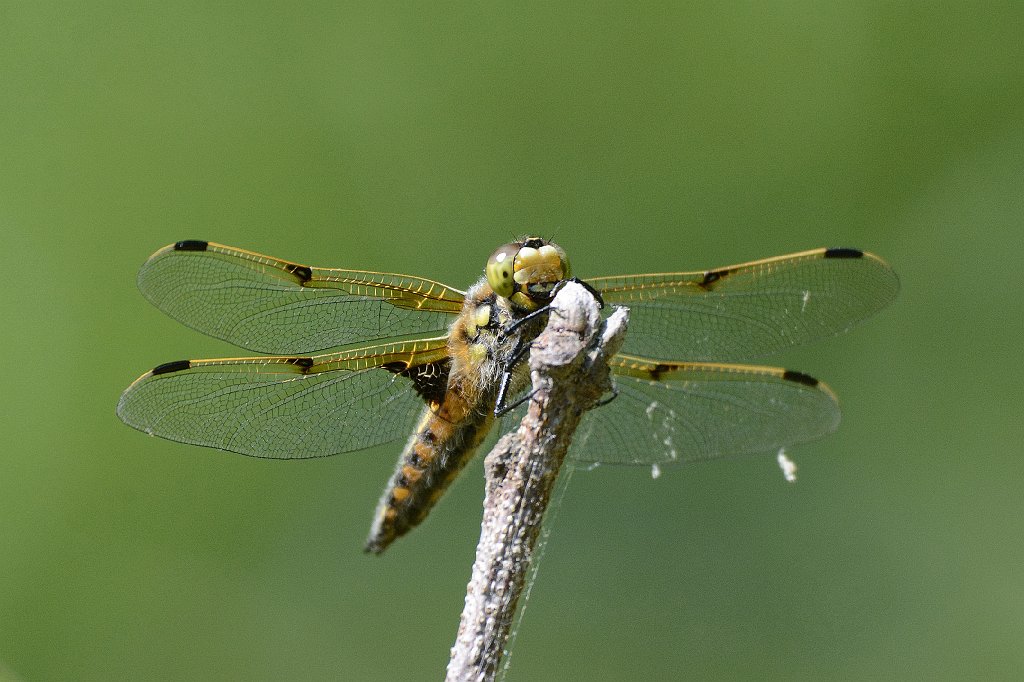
446	438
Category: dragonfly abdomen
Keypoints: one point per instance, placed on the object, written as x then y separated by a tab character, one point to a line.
445	440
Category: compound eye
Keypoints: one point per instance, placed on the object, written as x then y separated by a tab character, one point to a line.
501	270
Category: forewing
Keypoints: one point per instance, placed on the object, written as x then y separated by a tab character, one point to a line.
284	407
751	310
273	306
682	412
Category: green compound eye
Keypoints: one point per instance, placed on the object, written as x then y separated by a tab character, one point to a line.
500	269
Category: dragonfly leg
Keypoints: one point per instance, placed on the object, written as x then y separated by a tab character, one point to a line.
501	410
511	329
516	357
521	349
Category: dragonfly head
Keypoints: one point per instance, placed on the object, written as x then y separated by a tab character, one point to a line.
527	271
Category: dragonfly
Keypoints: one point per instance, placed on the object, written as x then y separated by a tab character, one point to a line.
353	359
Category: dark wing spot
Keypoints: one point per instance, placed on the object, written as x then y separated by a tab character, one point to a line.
657	371
711	277
191	245
800	378
429	380
304	363
303	272
844	253
168	367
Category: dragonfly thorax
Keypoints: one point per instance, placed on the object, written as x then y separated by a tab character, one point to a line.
527	271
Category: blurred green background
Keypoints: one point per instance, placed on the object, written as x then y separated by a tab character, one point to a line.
417	138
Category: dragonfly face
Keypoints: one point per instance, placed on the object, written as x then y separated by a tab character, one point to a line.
526	272
355	355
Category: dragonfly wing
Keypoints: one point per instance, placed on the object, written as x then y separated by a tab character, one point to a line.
285	407
750	310
682	412
273	306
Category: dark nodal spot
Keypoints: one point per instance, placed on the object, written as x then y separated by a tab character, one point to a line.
191	245
800	378
304	363
303	272
168	367
844	253
657	371
712	276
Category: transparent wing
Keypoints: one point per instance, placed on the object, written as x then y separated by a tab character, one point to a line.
681	412
269	305
284	407
751	310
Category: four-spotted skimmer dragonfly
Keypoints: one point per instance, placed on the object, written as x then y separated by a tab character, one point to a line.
355	356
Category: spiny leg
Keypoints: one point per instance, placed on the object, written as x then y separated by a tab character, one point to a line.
520	351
